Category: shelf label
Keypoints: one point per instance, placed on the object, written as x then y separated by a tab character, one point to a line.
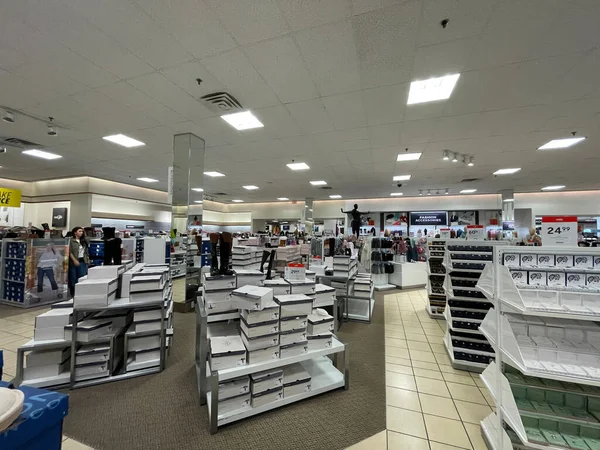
444	233
475	232
559	230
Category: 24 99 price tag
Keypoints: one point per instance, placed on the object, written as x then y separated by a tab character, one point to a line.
559	230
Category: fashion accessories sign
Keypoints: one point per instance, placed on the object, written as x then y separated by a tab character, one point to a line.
429	218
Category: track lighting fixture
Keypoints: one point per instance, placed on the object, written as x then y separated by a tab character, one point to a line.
420	192
8	117
455	158
428	191
446	155
471	163
51	130
438	192
446	191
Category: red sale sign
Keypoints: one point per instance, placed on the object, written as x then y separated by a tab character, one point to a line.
559	230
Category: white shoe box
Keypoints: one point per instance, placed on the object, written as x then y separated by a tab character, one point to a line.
319	341
263	354
320	322
217	295
261	342
293	323
291	350
50	370
583	261
87	371
249	278
563	261
151	354
153	325
234	388
259	329
575	279
296	380
220	307
537	278
95	291
362	285
126	279
212	282
305	286
294	305
88	330
105	272
227	352
557	279
267	380
144	283
266	397
149	314
528	260
142	343
519	276
253	297
545	260
96	353
299	387
271	312
292	336
47	357
279	286
48	334
311	275
54	318
237	403
94	300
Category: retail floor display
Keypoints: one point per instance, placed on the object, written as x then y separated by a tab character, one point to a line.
436	276
546	380
467	306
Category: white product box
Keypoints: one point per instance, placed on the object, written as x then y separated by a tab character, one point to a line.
54	318
293	323
234	388
279	286
151	325
237	403
318	269
88	330
556	279
105	272
144	283
296	388
512	259
294	305
227	352
96	353
48	334
295	272
305	286
563	261
259	329
537	278
296	380
148	296
126	279
320	322
519	276
263	354
249	278
47	357
217	295
311	275
545	260
212	282
528	260
292	336
592	280
264	381
260	342
135	344
51	370
583	261
94	300
362	284
342	261
95	292
596	261
266	397
241	250
253	297
575	279
87	371
319	341
148	314
150	354
220	307
269	313
323	295
291	350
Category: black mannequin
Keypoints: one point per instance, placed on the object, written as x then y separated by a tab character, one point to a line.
355	219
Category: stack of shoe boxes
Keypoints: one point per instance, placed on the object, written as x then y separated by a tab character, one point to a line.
306	287
246	258
217	293
319	330
344	267
234	394
323	296
48	363
100	288
296	380
266	387
294	309
14	271
279	286
51	324
249	277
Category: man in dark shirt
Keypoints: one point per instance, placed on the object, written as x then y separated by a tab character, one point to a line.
355	213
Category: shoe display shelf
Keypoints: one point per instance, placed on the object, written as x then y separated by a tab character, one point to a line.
327	367
436	275
546	377
466	305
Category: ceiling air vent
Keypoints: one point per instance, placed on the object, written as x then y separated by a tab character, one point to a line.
221	101
326	188
16	142
469	180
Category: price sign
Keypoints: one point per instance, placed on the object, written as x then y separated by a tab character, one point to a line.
475	232
559	230
444	233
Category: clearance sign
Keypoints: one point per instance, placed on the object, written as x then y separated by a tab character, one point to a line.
10	197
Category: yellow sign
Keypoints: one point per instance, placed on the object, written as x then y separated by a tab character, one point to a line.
10	197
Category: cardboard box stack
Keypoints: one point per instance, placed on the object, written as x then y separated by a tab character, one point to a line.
319	330
344	266
293	311
217	293
246	258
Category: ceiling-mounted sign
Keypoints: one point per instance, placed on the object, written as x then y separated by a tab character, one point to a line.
429	218
10	197
59	217
170	185
134	227
559	230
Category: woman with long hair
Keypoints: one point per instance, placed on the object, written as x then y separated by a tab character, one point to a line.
79	258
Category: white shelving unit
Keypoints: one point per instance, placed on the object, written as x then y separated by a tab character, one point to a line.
436	275
546	378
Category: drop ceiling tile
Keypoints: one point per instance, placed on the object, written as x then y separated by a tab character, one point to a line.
385	154
417	131
346	110
384	135
356	134
385	104
17	93
442	59
185	75
50	79
311	115
363	6
578	82
278	121
302	14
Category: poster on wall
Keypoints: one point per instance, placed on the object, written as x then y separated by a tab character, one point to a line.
10	216
463	218
59	217
429	218
395	219
46	270
195	221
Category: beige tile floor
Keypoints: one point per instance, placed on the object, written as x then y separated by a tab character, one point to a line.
430	405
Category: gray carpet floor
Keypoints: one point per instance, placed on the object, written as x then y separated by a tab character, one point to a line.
162	411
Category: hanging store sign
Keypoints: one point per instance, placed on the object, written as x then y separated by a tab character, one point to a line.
429	218
170	185
10	197
559	230
475	232
59	217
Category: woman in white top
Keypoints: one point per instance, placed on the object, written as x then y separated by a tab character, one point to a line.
78	258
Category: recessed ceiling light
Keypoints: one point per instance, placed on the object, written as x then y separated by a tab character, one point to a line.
283	199
123	140
509	200
318	183
558	187
561	143
432	89
335	196
237	201
506	171
468	191
250	187
447	192
244	120
408	156
402	178
306	206
471	163
446	156
41	154
197	201
428	191
420	192
147	180
310	210
214	174
298	166
198	189
396	194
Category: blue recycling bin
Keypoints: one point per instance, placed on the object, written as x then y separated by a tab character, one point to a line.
39	427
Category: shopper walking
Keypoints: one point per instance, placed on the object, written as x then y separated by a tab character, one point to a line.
79	258
47	264
355	213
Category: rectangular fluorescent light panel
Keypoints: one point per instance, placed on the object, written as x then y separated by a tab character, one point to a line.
468	191
298	166
198	189
244	120
250	187
402	178
561	143
408	156
41	154
125	141
214	174
147	180
197	201
432	89
334	196
506	171
237	201
558	187
283	199
396	194
318	183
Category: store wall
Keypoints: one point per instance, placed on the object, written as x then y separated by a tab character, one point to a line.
38	213
580	203
113	207
269	211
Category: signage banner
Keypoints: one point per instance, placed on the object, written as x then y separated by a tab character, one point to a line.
475	232
59	217
429	218
10	197
444	233
559	230
134	227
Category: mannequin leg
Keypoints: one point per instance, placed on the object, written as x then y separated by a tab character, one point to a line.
214	260
226	243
